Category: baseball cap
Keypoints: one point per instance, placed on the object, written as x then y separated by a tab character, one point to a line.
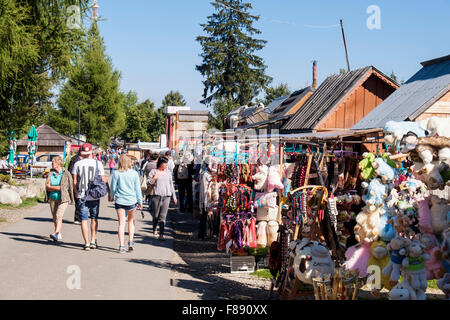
86	149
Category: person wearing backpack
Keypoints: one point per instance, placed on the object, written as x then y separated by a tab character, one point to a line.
70	165
183	178
90	185
127	195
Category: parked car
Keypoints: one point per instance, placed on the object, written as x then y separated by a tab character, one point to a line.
44	163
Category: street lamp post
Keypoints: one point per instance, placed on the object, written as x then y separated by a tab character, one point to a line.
79	112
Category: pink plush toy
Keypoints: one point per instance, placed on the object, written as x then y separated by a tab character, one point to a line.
425	225
266	200
432	266
358	258
274	179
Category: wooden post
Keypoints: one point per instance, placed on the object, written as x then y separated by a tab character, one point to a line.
280	192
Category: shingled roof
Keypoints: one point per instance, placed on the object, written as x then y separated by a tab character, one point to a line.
413	98
325	98
47	137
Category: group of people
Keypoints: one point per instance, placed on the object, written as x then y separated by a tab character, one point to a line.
73	182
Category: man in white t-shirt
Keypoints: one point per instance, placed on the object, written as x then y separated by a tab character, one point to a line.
83	173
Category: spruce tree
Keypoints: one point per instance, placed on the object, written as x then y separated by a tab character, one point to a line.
173	98
95	84
230	66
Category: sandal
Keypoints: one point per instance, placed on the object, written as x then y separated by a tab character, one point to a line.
93	244
87	247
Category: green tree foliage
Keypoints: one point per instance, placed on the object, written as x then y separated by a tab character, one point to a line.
93	81
221	108
157	124
35	53
275	92
173	98
139	117
230	66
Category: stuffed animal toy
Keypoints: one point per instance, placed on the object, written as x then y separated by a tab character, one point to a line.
385	156
289	170
433	266
403	291
357	258
392	201
260	178
445	252
272	232
397	251
425	224
274	179
433	147
414	188
383	170
439	211
380	257
376	193
366	167
444	285
437	126
432	176
312	259
261	234
367	224
385	229
395	131
414	267
266	200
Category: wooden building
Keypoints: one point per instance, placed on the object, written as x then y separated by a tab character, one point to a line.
48	141
182	122
341	101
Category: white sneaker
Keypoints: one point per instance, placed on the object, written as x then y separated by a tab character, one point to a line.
59	237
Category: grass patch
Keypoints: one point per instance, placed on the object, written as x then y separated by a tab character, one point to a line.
262	273
3	220
27	203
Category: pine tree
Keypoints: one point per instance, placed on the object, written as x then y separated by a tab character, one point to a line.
173	98
95	84
230	66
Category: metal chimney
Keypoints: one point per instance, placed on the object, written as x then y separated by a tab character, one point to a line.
314	84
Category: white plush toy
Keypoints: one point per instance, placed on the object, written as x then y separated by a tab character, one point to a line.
260	178
312	259
414	268
272	232
367	223
403	291
261	234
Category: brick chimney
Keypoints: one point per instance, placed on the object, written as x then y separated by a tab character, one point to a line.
314	84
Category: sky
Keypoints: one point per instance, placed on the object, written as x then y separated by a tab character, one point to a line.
152	42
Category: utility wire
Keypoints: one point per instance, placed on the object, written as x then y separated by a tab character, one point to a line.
281	21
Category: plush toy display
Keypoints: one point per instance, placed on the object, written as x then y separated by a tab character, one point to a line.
439	210
385	229
380	258
274	179
414	268
312	259
366	167
445	252
433	148
260	178
397	251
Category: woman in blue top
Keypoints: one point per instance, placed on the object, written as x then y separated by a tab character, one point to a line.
127	195
59	195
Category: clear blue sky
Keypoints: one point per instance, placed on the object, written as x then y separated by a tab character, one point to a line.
153	42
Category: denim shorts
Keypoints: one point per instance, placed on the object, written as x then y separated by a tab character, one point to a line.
125	207
88	209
